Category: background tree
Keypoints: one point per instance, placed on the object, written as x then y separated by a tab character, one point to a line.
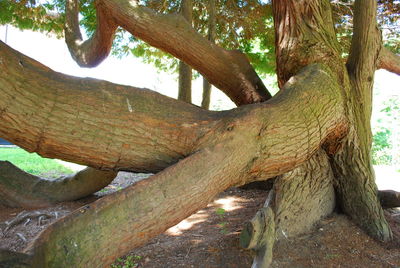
314	134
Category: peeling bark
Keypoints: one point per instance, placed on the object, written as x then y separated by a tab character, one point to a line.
20	189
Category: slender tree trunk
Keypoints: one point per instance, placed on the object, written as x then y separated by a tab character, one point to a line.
212	23
185	71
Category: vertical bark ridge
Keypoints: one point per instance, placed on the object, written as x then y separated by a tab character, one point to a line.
354	175
93	51
304	34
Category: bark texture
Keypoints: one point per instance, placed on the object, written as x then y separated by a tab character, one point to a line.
280	135
20	189
299	199
355	181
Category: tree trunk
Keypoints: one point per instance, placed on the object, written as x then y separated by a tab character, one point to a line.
322	111
212	23
93	130
185	72
305	35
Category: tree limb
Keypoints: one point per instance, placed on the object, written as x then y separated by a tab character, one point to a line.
89	238
389	61
93	51
20	189
230	71
113	127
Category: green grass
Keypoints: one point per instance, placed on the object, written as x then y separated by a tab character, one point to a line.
33	163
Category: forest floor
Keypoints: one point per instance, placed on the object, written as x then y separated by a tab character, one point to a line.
210	238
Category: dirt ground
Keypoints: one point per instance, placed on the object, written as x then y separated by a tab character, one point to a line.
210	238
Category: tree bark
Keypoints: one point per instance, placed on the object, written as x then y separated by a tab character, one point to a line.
298	200
229	70
355	181
279	136
20	189
185	72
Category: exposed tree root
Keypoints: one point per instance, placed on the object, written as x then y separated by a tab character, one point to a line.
389	198
299	199
27	216
20	189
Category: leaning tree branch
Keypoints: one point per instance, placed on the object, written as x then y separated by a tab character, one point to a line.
20	189
89	238
228	70
389	61
93	51
114	127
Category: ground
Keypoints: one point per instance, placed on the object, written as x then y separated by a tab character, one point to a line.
210	238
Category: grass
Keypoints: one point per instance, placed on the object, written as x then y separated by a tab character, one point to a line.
33	163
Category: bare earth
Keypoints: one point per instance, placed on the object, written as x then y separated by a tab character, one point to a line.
210	238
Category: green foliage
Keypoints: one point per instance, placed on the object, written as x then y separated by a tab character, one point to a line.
386	133
33	163
128	262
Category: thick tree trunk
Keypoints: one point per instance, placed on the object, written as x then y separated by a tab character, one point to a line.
185	71
20	189
298	200
305	35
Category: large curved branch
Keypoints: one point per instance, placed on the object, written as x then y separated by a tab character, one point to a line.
389	61
116	127
92	122
94	236
93	51
230	71
20	189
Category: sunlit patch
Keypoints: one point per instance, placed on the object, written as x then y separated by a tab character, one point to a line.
186	224
229	203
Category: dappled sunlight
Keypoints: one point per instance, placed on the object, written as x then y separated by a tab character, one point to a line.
229	203
219	208
187	224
